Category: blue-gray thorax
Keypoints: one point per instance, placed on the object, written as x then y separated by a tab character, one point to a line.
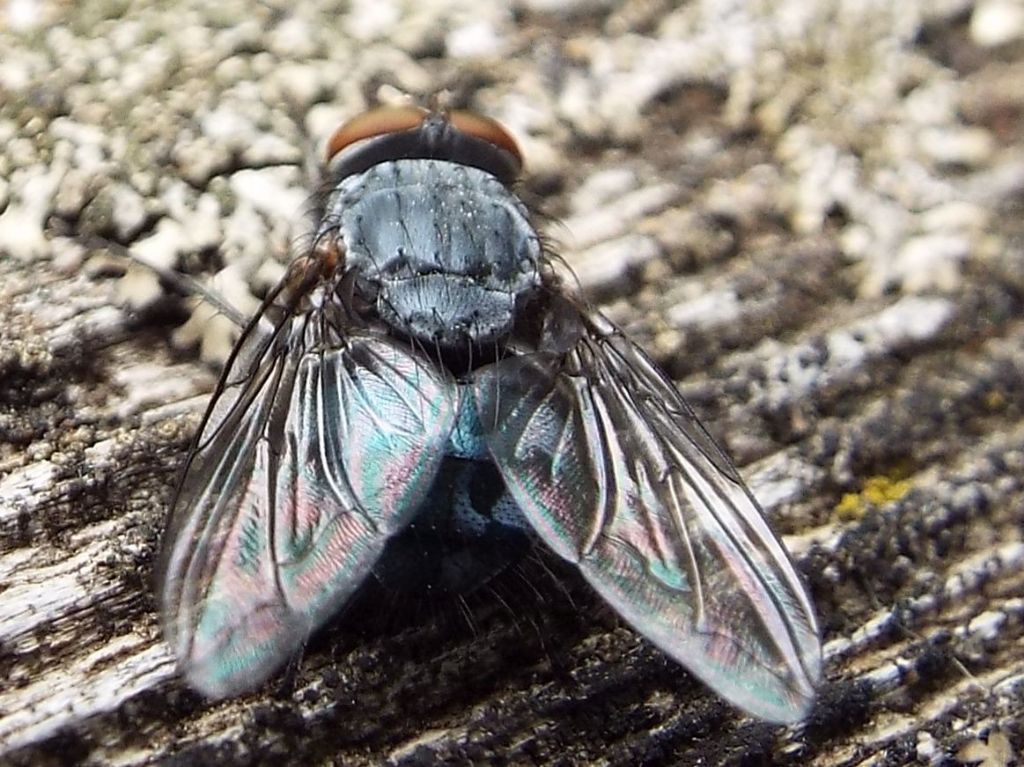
443	250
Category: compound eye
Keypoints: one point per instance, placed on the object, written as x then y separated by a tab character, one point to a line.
486	129
376	122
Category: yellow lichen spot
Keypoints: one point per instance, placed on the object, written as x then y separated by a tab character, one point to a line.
995	400
851	506
877	491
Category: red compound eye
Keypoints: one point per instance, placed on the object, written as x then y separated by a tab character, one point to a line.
385	120
376	122
485	129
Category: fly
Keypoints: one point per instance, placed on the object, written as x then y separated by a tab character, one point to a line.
422	367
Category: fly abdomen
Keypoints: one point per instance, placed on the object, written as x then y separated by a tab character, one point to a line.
467	531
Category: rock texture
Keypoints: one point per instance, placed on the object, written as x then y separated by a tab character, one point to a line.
809	213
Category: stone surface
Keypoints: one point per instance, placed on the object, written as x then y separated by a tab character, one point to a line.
808	213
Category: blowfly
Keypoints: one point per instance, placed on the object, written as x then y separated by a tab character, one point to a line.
422	366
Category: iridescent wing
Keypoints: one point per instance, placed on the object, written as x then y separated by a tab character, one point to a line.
313	454
616	475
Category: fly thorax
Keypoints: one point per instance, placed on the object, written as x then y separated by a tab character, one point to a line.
444	251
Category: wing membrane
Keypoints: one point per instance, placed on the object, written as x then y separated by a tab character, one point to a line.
310	459
615	473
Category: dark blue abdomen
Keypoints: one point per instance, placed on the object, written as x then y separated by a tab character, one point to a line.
467	530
